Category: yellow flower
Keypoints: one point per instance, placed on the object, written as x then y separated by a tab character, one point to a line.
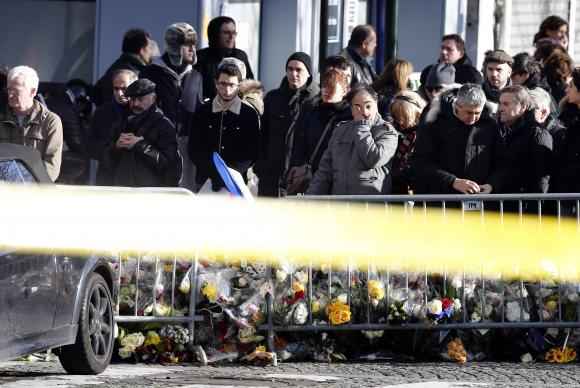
297	287
209	291
315	306
152	339
338	313
559	356
551	306
376	289
260	349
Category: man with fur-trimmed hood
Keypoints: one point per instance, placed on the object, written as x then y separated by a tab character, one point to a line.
179	87
454	152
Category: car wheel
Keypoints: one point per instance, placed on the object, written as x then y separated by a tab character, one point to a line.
91	353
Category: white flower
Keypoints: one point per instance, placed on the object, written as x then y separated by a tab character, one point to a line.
457	281
342	298
475	317
300	314
125	353
133	340
456	305
526	358
435	307
301	277
281	275
514	312
185	285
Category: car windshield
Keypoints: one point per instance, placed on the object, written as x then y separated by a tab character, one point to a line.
15	171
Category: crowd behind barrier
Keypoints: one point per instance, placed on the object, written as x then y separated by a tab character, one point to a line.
496	140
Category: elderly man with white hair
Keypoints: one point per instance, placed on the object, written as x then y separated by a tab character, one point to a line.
454	149
542	104
28	122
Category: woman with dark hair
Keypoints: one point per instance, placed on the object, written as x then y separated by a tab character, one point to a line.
393	79
557	70
308	136
221	33
553	27
359	154
526	71
567	141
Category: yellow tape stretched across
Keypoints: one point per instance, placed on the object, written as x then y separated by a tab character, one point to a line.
80	221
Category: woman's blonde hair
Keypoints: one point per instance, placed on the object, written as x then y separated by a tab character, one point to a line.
407	107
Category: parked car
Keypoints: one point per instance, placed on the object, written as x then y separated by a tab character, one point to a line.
49	301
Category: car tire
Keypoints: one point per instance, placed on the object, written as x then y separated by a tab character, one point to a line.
92	351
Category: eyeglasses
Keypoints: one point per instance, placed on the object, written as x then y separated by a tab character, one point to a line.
227	84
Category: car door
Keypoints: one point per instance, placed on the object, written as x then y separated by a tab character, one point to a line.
28	281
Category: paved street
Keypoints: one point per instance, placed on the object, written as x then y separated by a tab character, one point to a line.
430	375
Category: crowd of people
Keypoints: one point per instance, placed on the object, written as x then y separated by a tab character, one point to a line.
156	119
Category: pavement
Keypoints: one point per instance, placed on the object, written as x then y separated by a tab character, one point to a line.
311	375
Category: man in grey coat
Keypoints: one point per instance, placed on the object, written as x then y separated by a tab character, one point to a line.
359	154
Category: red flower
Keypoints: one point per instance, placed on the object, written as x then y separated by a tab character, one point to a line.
297	296
447	303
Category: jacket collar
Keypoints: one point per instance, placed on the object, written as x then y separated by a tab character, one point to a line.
218	106
35	116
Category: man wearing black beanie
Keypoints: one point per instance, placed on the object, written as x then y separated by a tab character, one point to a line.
281	108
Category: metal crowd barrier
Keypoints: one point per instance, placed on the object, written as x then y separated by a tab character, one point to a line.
157	264
542	205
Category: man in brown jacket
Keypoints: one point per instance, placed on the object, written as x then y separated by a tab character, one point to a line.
28	122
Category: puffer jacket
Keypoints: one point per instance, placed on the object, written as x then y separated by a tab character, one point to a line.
357	160
42	130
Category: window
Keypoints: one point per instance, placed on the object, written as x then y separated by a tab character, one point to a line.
15	171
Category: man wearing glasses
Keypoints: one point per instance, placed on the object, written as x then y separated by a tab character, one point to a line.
227	125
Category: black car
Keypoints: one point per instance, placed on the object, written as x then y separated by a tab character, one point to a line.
51	301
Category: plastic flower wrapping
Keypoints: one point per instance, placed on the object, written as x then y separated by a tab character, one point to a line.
231	298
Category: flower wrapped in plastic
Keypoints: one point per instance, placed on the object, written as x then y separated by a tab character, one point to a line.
443	310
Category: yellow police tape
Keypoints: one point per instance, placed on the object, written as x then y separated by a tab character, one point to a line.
78	221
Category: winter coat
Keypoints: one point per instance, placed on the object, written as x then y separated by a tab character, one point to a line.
42	130
153	161
208	60
357	160
567	152
108	122
362	71
401	170
173	87
492	93
281	108
465	72
235	136
309	128
524	155
104	86
446	148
